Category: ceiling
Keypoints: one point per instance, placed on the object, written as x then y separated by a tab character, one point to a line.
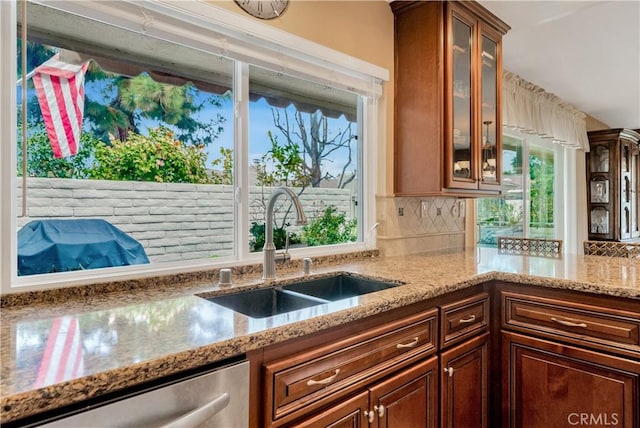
585	52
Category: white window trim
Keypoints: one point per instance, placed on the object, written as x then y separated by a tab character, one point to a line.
235	36
566	191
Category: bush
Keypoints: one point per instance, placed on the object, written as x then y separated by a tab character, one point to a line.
42	163
158	157
279	237
331	227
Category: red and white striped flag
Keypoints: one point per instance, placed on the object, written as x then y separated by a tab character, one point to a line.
63	355
60	89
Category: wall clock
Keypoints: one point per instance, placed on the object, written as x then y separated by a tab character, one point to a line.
264	9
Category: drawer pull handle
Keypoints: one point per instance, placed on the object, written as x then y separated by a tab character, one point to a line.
324	381
470	318
449	371
569	323
411	344
380	410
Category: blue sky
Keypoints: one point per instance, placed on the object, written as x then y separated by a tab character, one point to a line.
261	122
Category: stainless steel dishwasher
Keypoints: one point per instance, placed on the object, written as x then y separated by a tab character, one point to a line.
219	398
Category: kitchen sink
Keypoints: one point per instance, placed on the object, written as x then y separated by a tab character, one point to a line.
265	302
339	287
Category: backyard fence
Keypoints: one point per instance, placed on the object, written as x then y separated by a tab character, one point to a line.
172	221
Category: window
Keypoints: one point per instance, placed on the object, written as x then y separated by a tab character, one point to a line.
183	139
531	206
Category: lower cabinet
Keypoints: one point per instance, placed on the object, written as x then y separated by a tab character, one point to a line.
547	385
407	399
464	384
558	359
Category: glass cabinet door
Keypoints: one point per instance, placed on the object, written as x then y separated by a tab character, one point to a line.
489	168
461	101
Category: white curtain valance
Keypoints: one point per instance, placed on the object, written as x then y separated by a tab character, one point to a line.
530	109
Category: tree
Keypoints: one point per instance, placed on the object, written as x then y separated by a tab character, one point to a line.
298	161
125	102
311	132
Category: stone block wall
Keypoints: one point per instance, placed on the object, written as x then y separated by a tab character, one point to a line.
172	221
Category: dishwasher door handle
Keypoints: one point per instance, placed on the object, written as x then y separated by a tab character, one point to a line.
197	416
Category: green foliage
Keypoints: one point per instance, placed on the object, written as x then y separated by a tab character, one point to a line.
287	168
279	237
332	227
498	212
42	163
158	157
542	173
224	176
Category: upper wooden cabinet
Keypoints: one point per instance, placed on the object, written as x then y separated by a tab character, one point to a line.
448	88
613	183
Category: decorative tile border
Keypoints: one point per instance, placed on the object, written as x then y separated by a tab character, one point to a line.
530	246
629	250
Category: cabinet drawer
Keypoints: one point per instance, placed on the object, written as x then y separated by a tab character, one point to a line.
585	324
337	369
464	318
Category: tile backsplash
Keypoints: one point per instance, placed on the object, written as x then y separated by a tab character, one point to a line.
418	224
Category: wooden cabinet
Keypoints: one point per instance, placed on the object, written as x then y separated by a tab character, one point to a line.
344	362
510	355
464	368
408	399
552	385
384	371
448	87
613	185
603	328
347	414
464	378
569	359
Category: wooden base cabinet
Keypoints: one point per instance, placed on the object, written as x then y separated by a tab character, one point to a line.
408	399
464	384
547	385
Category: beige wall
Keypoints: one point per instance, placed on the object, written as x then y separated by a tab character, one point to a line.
594	124
363	29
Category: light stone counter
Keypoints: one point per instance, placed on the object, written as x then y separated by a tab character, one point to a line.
88	344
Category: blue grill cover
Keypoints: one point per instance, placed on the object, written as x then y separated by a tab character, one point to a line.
46	246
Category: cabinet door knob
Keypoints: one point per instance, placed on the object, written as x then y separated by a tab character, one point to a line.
380	410
411	344
370	415
449	370
467	320
324	381
569	323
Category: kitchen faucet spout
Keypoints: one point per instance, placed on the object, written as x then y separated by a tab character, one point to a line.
269	249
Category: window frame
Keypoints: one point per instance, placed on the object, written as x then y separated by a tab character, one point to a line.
219	32
561	155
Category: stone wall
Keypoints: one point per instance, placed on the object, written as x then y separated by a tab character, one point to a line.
172	221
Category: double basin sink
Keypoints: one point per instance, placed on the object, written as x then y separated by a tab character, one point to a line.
267	302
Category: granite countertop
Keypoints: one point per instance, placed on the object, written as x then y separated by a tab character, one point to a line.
55	354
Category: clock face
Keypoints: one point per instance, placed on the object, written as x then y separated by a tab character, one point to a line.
264	9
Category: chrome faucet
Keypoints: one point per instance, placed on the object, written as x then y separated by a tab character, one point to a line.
269	250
